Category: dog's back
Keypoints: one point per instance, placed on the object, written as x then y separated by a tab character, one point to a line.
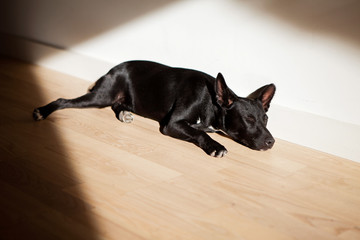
151	89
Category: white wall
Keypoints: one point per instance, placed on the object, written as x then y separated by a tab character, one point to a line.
313	58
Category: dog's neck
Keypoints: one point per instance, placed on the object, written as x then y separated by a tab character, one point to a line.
219	120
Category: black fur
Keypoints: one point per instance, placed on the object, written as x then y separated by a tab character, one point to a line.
187	104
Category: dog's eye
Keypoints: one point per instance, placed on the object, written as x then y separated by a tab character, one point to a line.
250	119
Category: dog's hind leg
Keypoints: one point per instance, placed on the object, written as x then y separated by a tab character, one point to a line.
89	100
122	113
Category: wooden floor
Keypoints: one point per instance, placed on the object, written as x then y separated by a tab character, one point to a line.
81	174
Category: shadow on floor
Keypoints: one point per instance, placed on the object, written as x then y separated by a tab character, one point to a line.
34	163
34	167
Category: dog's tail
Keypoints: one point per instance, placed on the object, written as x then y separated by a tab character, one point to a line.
91	87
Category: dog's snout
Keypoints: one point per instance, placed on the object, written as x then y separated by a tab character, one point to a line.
269	142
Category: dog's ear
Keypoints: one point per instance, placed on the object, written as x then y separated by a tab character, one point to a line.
264	94
224	96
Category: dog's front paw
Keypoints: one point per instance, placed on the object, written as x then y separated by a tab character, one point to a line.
216	150
219	153
37	115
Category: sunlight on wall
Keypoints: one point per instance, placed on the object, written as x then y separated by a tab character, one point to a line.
250	47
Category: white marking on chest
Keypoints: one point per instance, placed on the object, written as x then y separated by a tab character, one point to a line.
211	128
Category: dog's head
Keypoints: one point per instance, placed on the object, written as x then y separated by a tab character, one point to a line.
245	119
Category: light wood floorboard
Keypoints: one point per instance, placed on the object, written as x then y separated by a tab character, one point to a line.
81	174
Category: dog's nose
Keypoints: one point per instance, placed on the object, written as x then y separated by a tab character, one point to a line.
269	142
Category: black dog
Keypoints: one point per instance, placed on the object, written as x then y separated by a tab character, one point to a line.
186	103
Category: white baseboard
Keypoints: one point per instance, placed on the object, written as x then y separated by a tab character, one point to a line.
317	132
